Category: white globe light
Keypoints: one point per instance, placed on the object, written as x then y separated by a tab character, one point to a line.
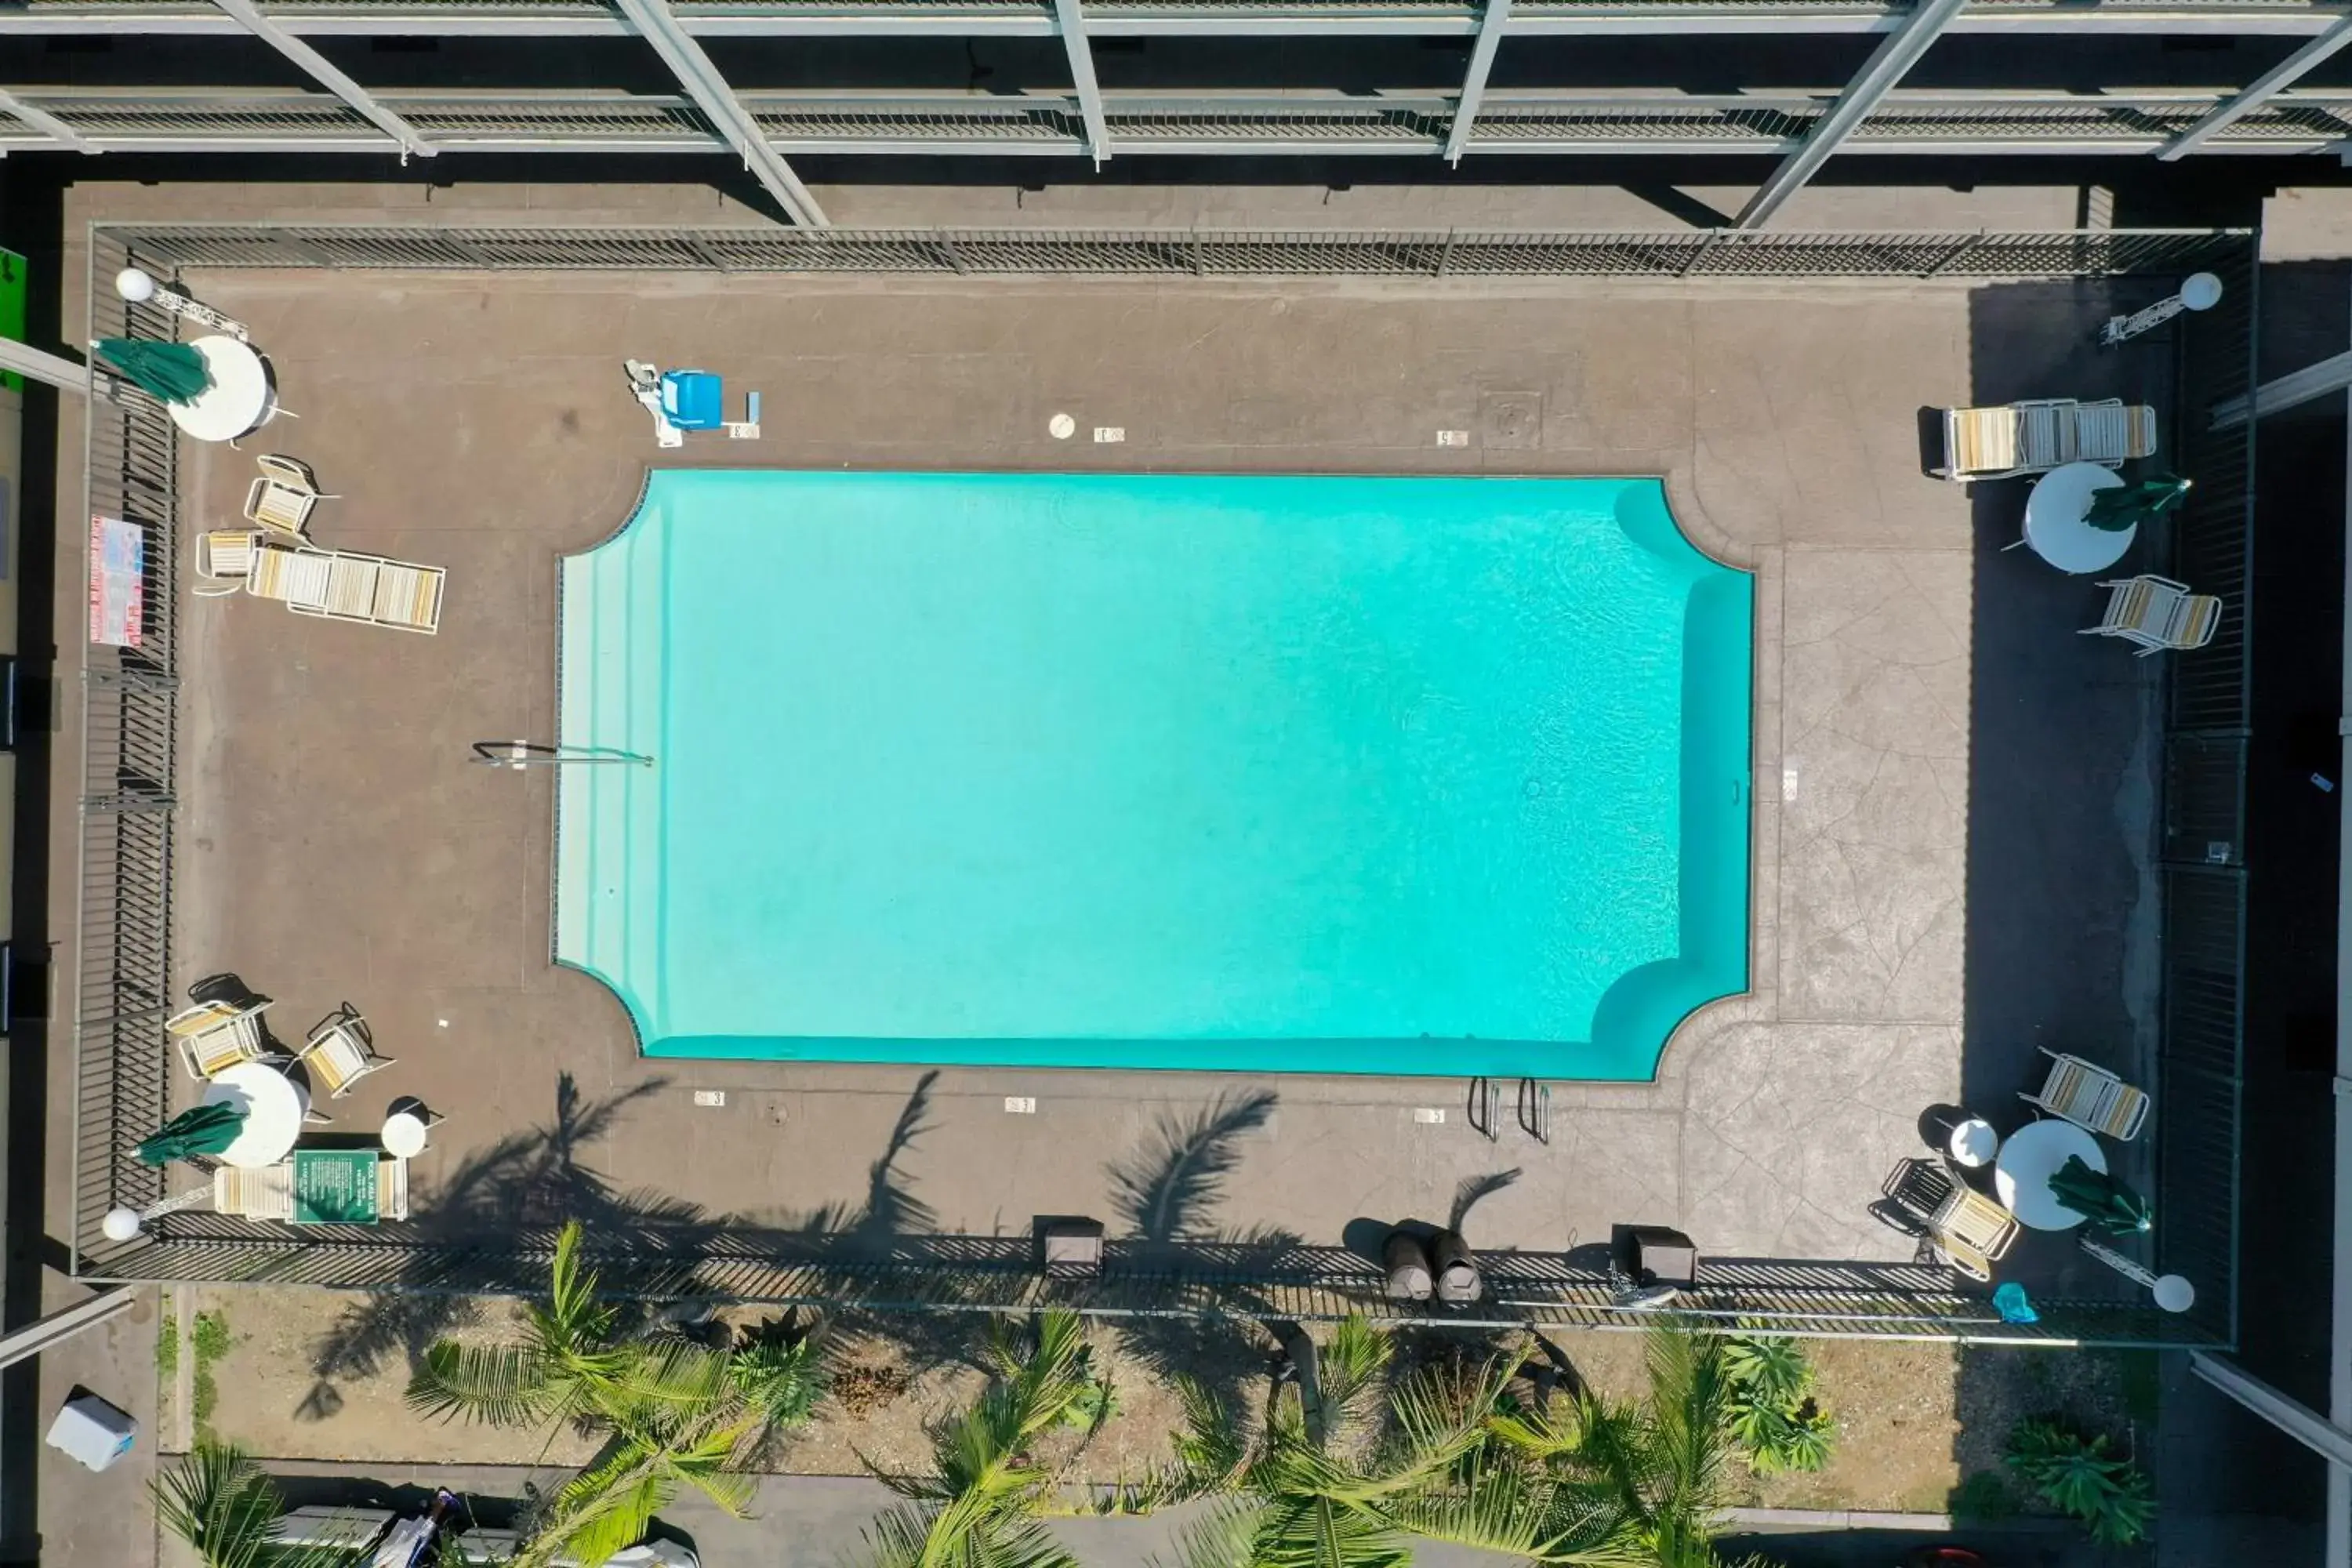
2201	291
120	1225
135	284
2175	1294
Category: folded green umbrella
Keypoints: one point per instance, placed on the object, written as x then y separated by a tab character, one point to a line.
199	1130
2106	1203
172	372
2120	507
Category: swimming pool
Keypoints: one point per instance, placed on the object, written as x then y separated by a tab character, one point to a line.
1275	774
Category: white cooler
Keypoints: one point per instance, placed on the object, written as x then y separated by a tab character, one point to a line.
93	1431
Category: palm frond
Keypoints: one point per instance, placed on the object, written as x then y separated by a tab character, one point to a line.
1350	1365
505	1385
219	1501
1319	1532
1503	1507
1224	1537
781	1382
573	1319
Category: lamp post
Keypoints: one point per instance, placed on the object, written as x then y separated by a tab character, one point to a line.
2199	291
122	1224
2174	1293
138	285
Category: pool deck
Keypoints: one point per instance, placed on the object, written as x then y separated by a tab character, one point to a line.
1955	792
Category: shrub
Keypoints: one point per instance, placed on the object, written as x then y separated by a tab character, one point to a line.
1773	1412
2075	1474
1982	1497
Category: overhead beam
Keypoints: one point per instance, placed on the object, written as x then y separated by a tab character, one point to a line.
323	71
658	25
1887	64
2314	381
1072	25
47	124
56	370
1491	23
2298	1421
18	1344
2285	74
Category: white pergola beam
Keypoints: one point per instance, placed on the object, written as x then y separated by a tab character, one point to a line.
1888	64
323	71
2333	374
47	124
2298	1421
1072	25
658	25
1491	23
2285	74
62	1325
55	370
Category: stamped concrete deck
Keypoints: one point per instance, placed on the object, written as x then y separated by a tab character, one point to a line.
337	845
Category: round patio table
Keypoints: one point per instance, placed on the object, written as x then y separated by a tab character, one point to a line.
238	400
2031	1156
274	1107
2054	514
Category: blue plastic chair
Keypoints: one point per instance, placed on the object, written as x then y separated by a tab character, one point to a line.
693	399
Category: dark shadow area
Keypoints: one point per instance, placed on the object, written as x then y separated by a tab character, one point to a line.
31	224
1167	1193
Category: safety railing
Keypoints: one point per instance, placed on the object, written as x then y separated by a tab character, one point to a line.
124	983
2209	716
122	988
159	119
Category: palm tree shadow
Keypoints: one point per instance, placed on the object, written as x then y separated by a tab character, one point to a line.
1166	1195
528	1181
891	1209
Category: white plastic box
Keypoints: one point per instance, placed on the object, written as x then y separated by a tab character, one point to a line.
93	1431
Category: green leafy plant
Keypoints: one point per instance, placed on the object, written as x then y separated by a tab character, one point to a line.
2075	1474
1773	1412
1097	1403
209	1340
218	1501
673	1412
978	1506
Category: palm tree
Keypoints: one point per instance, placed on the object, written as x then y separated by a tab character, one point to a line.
978	1509
1348	1482
673	1413
1625	1484
219	1501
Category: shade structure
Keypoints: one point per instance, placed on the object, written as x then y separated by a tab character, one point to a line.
172	372
199	1130
2107	1204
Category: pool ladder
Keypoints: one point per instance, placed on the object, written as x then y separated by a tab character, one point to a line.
1534	1108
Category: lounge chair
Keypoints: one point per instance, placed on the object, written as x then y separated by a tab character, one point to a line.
224	559
2035	437
2157	614
213	1036
342	1051
264	1194
2091	1097
1971	1230
282	499
344	585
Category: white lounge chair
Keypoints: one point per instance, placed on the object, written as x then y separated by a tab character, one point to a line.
2091	1097
1971	1230
344	585
264	1194
282	499
224	559
342	1051
2157	614
213	1036
2035	437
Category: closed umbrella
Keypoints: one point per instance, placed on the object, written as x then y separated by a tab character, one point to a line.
2106	1203
2120	507
172	372
199	1130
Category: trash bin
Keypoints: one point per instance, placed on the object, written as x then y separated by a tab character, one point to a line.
93	1431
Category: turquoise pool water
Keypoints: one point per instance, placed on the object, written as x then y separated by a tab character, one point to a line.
1340	775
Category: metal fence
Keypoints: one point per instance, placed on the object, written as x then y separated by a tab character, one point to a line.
1180	253
124	982
2209	719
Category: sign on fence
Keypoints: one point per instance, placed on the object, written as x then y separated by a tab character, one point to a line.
117	580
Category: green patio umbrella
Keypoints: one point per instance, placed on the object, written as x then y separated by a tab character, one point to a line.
2127	506
172	372
2106	1203
199	1130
